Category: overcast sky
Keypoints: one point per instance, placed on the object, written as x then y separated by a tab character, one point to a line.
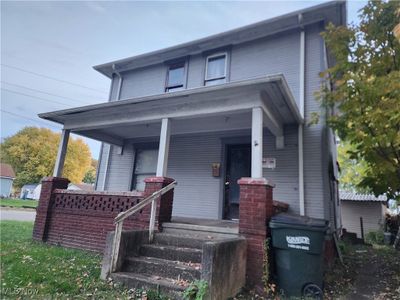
48	48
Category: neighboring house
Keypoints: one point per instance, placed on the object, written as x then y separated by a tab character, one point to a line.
81	187
71	186
362	213
7	177
209	112
28	191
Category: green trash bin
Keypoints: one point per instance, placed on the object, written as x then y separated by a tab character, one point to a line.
298	245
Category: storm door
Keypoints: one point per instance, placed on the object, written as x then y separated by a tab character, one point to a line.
238	165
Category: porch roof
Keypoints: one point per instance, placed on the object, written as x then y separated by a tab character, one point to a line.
112	122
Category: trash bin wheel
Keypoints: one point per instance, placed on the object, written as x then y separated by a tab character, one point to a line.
312	291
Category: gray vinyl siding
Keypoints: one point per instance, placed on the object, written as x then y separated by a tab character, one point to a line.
197	193
5	186
279	54
315	193
145	81
371	212
102	167
120	169
285	176
196	71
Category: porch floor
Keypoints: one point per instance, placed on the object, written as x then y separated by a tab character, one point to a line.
206	225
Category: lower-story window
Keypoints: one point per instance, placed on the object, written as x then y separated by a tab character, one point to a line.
145	166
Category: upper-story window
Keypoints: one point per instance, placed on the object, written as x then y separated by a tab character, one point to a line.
176	77
216	68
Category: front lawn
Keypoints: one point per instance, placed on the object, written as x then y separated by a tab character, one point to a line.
41	271
18	203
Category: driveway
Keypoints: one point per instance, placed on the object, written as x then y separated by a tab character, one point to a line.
17	214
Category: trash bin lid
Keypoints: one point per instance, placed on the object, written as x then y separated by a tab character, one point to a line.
292	219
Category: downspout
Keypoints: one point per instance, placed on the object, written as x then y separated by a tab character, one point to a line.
119	83
107	162
301	108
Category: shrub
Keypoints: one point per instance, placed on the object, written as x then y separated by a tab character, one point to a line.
375	237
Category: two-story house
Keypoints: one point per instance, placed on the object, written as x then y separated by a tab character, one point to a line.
211	112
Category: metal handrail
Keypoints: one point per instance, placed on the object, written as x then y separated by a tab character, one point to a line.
119	220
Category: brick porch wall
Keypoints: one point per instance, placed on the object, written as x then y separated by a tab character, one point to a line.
79	219
256	209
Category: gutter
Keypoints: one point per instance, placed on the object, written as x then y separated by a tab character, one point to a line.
301	108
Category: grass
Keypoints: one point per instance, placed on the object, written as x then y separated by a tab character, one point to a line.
39	271
19	203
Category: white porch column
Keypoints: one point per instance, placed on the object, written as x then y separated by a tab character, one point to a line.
62	151
256	142
163	148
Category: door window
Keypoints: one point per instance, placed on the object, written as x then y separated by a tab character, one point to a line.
145	166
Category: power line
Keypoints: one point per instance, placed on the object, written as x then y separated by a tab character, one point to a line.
43	92
53	78
27	118
30	96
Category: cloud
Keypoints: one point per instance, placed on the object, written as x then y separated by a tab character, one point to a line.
96	7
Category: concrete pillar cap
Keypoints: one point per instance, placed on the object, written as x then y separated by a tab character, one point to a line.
159	179
255	181
52	178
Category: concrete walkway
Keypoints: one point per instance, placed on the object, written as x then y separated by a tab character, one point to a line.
17	214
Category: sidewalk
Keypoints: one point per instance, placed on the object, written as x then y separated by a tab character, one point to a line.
17	214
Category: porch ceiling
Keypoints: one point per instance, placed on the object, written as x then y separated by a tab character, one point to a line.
212	108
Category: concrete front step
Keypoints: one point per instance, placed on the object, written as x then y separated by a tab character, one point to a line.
166	286
152	266
174	253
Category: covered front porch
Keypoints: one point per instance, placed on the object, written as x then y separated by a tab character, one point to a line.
212	142
188	136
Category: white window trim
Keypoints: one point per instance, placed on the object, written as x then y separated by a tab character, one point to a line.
226	66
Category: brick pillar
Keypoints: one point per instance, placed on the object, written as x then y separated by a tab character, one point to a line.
330	252
49	184
164	205
255	211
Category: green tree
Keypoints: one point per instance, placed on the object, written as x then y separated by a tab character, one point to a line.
365	85
32	153
352	171
90	175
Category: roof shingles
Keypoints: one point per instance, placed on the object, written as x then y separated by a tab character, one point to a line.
6	171
350	196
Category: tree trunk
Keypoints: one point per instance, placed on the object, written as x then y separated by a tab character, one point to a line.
396	243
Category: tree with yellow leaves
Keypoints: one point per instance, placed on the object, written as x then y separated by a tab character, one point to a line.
365	83
32	154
